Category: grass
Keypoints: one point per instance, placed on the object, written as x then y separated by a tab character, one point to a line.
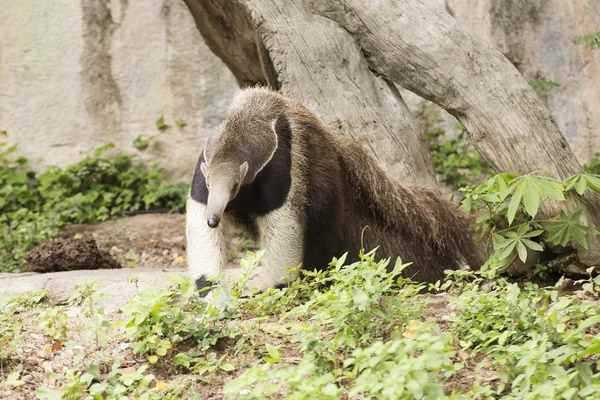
353	332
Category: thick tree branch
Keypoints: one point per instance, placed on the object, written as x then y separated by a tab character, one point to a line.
320	64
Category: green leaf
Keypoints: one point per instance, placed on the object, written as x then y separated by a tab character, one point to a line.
580	185
161	351
180	123
274	355
514	206
48	394
227	367
508	249
13	379
152	359
531	197
593	182
160	124
595	320
522	251
142	144
532	245
561	233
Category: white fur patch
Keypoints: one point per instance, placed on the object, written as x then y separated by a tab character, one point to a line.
206	246
282	238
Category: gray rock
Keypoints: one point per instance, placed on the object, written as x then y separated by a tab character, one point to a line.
112	282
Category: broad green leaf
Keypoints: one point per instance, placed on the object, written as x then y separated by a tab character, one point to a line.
531	197
595	320
514	206
161	351
532	245
13	379
593	182
48	394
227	367
580	185
522	251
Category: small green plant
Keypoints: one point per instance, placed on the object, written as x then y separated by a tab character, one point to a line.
538	342
507	205
591	41
12	322
142	144
593	167
160	123
543	87
454	159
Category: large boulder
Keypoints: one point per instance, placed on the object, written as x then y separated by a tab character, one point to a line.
78	74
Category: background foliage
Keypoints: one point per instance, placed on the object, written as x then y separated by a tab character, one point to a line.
33	206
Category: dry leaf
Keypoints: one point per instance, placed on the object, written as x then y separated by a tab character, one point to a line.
56	346
412	327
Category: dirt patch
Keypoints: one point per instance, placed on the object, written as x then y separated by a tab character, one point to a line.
59	255
148	240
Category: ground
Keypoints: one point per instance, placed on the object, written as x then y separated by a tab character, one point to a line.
150	247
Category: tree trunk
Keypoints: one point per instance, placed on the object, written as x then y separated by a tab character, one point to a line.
338	57
318	63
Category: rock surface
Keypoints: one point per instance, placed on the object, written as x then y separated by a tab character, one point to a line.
116	284
78	74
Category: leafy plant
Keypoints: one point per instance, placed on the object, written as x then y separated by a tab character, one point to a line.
33	206
542	87
507	205
591	40
593	167
160	124
142	144
455	159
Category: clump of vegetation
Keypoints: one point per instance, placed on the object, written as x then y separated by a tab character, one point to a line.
455	159
593	167
542	87
590	41
33	206
507	205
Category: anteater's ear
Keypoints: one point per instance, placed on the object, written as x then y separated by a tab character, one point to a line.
204	170
210	149
243	170
268	146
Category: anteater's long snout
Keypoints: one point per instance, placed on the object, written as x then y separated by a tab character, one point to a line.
218	197
213	220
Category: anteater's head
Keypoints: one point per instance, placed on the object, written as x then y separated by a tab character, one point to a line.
232	158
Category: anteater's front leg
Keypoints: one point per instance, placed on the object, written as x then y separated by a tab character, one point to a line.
281	236
206	246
